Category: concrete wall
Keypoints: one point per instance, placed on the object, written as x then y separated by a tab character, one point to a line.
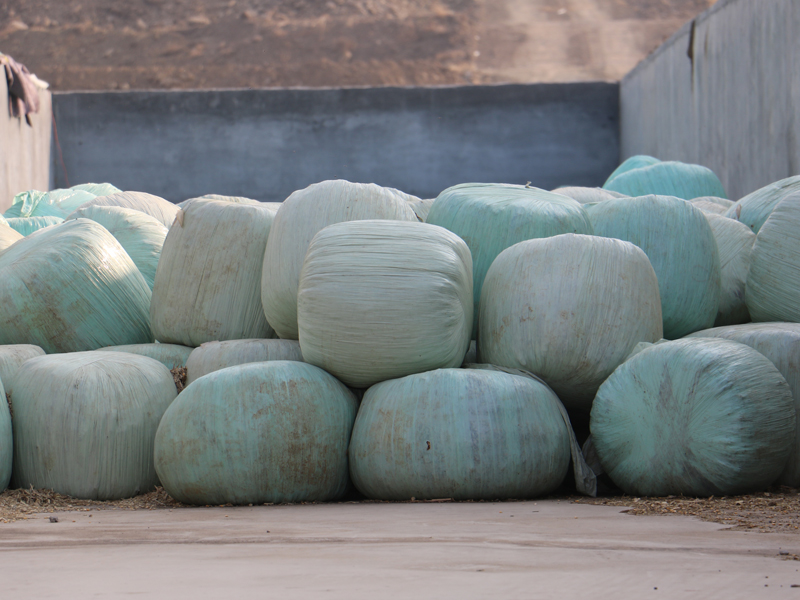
24	150
265	144
724	92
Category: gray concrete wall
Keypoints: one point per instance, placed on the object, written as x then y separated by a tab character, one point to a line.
265	144
724	92
24	149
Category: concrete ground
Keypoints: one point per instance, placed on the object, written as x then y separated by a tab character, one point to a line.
545	549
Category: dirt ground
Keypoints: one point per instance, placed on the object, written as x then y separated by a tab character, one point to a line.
143	44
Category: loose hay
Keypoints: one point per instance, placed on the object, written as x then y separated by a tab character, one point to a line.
179	375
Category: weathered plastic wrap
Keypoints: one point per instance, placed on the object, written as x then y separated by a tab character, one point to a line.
234	199
8	236
754	209
170	355
55	203
301	216
694	417
27	225
208	282
155	206
384	299
672	178
459	433
421	208
260	432
587	195
681	247
634	162
213	356
709	204
492	217
98	189
569	309
85	423
72	288
773	282
6	441
12	358
780	343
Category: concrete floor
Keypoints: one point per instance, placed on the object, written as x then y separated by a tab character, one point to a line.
530	550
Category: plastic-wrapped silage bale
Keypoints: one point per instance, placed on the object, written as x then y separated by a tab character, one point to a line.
155	206
300	217
6	441
55	203
461	434
709	204
421	208
587	195
384	299
208	281
98	189
85	423
492	217
780	343
696	417
27	225
261	432
672	178
681	247
71	288
8	236
220	197
170	355
634	162
141	235
570	309
12	357
213	356
754	209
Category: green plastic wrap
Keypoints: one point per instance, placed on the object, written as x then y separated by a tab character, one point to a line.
6	441
754	209
141	235
155	206
11	359
301	216
681	247
492	217
208	281
55	203
459	433
773	282
569	309
694	417
668	179
780	343
261	432
384	299
634	162
85	423
587	195
98	189
8	236
27	225
213	356
170	355
72	288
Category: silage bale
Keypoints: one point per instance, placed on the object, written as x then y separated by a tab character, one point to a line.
754	209
710	204
780	343
170	355
735	245
98	189
773	282
492	217
681	247
155	206
6	441
8	236
207	285
261	432
673	178
587	195
213	356
694	417
12	357
221	198
301	216
570	309
55	203
421	208
85	423
72	288
384	299
459	433
27	225
634	162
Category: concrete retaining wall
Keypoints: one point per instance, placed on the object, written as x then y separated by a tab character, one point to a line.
724	92
265	144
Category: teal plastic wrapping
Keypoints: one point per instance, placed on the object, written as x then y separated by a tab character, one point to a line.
384	299
6	441
780	343
634	162
587	195
569	309
681	247
694	417
85	423
141	235
464	434
207	285
170	355
72	288
98	189
301	216
261	432
27	225
213	356
754	209
8	236
155	206
677	179
12	358
492	217
55	203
